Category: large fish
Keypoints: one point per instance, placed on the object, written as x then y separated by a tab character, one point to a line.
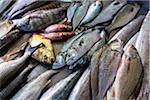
125	15
17	81
143	47
107	14
80	13
92	12
81	91
33	89
129	30
62	89
71	11
128	75
108	66
37	71
9	69
40	19
22	4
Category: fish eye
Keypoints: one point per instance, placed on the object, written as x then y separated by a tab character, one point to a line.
132	9
116	3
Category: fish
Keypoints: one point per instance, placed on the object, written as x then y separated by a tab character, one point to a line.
108	66
81	90
58	28
27	5
37	71
129	30
107	14
60	58
94	67
17	81
124	16
9	69
68	0
43	17
4	4
92	12
71	11
128	74
48	6
33	89
44	53
85	59
58	36
62	89
80	13
82	45
142	46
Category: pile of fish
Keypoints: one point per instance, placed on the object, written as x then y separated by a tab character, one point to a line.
74	50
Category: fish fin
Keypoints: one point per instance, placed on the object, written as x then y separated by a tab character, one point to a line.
30	49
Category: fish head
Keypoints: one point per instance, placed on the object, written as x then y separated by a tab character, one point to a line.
116	45
60	61
134	7
97	3
71	56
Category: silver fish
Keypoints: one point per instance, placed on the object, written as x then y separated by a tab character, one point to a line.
80	13
107	14
81	46
33	89
81	91
92	12
62	89
9	69
44	19
128	74
71	11
17	81
38	70
108	66
129	30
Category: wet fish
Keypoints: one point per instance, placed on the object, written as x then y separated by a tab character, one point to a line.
62	89
44	19
80	13
71	10
125	15
107	14
17	81
81	91
33	89
81	46
142	45
108	66
129	30
37	71
58	28
10	68
128	74
92	12
22	4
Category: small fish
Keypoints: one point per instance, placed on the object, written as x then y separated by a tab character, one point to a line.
17	81
108	66
80	13
37	71
125	15
129	30
58	28
26	4
81	90
44	19
92	12
71	11
107	14
62	89
10	69
128	74
58	36
142	46
33	89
